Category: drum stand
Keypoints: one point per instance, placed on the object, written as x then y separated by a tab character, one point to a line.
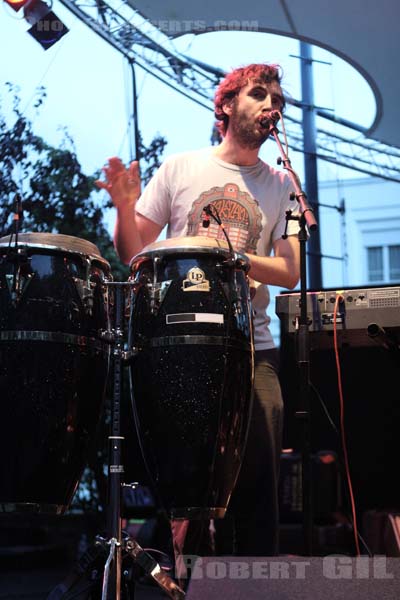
115	543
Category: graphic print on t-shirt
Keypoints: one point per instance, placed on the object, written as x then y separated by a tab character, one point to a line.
238	211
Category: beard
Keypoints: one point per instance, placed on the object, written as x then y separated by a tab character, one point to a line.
246	132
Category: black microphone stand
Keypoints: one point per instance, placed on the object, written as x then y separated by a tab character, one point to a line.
15	254
211	211
112	569
234	260
116	542
306	220
18	216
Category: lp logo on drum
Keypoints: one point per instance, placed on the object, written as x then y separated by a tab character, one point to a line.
195	281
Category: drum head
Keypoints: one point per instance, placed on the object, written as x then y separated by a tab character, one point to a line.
55	241
183	245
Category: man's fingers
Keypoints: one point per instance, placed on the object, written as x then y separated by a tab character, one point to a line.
116	162
134	172
101	184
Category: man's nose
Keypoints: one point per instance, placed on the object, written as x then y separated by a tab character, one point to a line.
267	104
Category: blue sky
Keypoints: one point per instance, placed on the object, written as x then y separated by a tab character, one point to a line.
88	85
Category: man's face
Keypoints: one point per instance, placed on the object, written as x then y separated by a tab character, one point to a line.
253	100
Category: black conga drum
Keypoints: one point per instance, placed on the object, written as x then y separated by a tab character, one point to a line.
192	377
53	366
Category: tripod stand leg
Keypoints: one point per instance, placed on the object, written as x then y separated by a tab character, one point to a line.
152	568
80	580
112	572
113	568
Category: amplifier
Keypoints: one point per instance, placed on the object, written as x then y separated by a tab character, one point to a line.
326	487
366	316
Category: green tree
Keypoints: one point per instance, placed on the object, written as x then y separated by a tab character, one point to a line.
150	156
57	197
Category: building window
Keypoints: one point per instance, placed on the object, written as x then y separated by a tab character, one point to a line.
394	263
383	263
375	263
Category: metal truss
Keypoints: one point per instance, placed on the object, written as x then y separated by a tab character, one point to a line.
147	46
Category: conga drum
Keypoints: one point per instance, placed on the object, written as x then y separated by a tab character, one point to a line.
192	376
53	366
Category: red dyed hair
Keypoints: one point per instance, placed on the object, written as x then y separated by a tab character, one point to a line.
231	85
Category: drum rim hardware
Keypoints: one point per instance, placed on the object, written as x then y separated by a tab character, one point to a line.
53	336
203	340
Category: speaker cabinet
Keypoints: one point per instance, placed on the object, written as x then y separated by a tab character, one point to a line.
370	379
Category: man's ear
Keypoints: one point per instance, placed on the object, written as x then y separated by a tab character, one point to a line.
227	107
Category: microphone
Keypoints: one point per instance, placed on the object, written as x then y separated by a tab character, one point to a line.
269	118
206	218
19	213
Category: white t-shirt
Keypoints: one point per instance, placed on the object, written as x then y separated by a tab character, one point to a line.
252	202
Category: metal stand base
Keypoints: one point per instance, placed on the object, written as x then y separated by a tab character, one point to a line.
84	581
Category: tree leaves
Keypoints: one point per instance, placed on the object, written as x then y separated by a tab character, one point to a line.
57	196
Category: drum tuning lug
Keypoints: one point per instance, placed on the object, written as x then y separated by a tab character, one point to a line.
18	255
106	334
144	279
230	262
237	307
85	290
18	284
127	355
242	264
100	541
131	486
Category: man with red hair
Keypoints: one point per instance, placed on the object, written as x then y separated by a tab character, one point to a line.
258	197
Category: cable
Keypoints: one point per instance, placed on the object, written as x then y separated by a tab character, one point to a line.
340	461
284	132
325	409
44	75
339	298
212	211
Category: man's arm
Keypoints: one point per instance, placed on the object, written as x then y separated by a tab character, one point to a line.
282	269
132	230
